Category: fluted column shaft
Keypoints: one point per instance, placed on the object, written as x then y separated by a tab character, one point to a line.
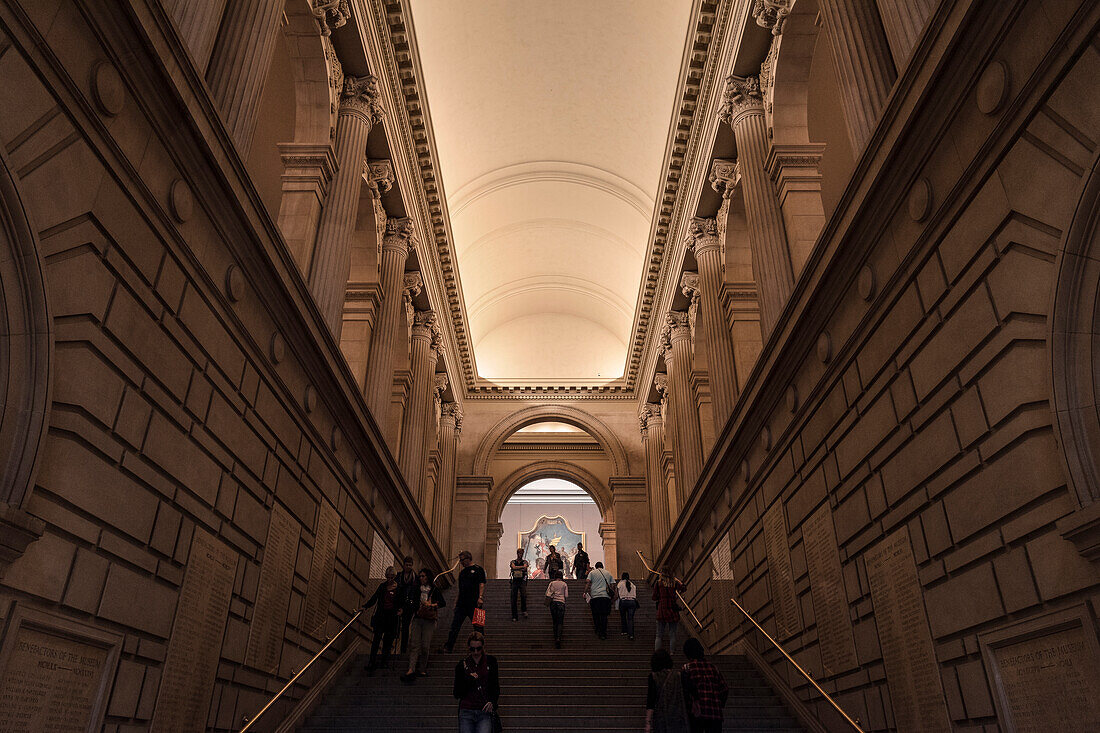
328	275
378	385
771	259
653	438
414	419
721	365
437	385
904	21
450	429
864	67
197	26
240	62
688	445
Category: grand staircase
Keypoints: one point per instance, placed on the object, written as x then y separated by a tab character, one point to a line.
588	685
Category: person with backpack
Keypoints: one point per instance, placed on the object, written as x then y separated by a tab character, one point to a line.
600	588
705	689
668	607
627	594
517	569
665	706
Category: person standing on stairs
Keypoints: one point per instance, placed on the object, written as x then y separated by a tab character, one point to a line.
705	689
581	563
554	562
518	570
477	687
668	607
429	600
600	586
385	620
665	705
627	593
556	594
471	595
408	594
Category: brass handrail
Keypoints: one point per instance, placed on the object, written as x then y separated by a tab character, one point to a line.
687	606
249	722
797	666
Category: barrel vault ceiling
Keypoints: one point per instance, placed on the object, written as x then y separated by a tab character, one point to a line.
550	121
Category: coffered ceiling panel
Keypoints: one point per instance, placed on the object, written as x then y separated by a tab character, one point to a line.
550	119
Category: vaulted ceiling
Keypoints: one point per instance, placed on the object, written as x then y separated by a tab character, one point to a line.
550	119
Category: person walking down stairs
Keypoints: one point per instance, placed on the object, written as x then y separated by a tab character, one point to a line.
518	570
477	687
627	595
556	594
385	620
429	600
705	688
600	586
471	595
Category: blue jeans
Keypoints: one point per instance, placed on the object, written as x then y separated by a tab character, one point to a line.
475	721
627	607
663	626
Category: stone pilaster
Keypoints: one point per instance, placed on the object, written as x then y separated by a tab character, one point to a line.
794	168
450	430
904	21
328	275
197	26
771	261
652	425
414	419
703	240
378	386
610	547
239	63
431	428
688	440
864	67
307	174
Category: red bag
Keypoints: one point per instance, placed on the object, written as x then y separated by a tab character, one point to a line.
479	619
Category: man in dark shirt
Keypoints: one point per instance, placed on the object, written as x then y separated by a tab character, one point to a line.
408	594
580	563
471	595
517	570
705	689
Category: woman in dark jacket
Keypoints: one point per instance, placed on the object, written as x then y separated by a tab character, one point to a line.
477	687
385	619
428	600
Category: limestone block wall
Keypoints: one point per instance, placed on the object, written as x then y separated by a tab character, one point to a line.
891	497
211	483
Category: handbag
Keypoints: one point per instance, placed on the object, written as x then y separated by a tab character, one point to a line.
479	618
428	612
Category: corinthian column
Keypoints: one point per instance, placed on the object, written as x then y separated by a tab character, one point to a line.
414	419
450	429
653	438
328	275
687	445
378	386
864	68
704	242
431	429
240	62
904	21
743	109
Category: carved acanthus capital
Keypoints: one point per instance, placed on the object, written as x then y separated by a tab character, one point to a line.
771	14
378	175
725	175
399	237
689	284
439	382
411	286
702	236
362	95
331	14
438	349
660	383
679	325
648	415
452	412
742	95
422	324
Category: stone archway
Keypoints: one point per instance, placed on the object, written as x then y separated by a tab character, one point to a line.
492	441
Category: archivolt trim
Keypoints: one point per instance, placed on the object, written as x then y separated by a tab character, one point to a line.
599	492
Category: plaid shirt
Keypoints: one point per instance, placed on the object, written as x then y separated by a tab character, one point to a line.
706	689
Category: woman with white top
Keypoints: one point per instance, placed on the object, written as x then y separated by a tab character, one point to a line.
627	593
556	593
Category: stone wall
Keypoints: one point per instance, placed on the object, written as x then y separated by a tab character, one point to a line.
891	496
210	484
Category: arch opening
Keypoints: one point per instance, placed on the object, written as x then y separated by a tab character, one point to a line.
548	511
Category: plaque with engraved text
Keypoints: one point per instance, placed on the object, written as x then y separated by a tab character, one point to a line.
319	591
834	622
194	648
722	588
780	576
912	672
265	636
1045	673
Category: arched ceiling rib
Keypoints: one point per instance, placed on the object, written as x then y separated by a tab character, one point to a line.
550	120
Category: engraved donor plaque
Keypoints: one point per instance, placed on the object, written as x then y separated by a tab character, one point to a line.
780	577
834	624
265	637
319	590
54	674
196	642
1045	673
722	588
912	673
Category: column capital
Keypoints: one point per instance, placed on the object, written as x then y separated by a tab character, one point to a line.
452	415
649	414
378	175
742	96
660	383
438	349
423	323
689	284
411	286
725	175
330	14
400	235
361	95
439	383
679	326
771	14
702	236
